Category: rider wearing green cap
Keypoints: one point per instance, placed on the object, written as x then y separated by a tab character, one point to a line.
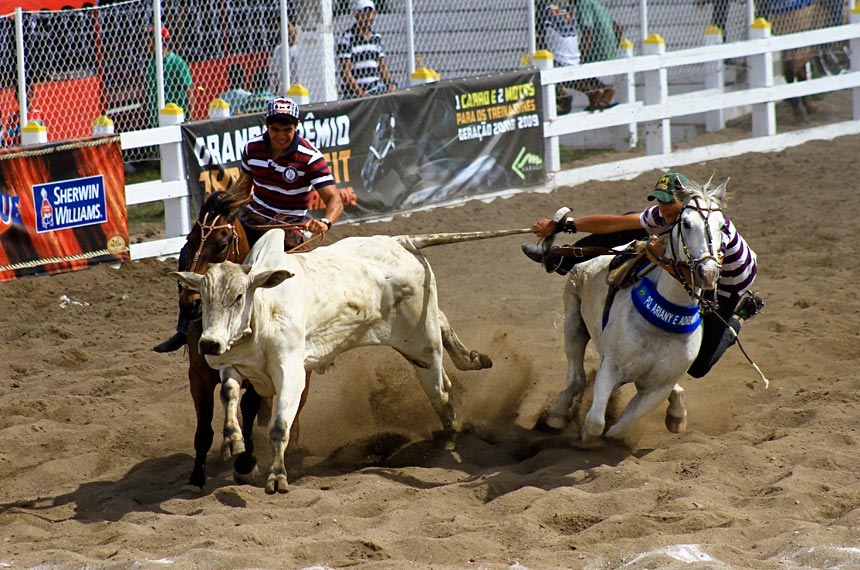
738	271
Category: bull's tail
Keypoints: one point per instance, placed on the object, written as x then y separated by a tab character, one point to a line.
426	240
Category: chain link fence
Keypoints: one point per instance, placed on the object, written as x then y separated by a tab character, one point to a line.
80	64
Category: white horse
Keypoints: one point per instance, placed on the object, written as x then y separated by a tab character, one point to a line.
635	345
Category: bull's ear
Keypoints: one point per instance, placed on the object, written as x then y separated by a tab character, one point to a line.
191	280
268	279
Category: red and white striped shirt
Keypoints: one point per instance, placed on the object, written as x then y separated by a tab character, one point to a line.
739	264
283	186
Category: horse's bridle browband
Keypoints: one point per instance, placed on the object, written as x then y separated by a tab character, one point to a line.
206	230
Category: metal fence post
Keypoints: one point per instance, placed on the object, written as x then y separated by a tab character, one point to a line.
22	75
761	75
714	79
854	50
543	60
627	136
177	211
658	139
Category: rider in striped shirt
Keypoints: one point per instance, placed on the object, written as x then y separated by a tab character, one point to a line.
280	171
739	267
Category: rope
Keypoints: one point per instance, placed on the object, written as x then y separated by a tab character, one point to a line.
744	352
50	260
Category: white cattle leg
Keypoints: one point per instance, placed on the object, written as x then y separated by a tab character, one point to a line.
233	443
639	405
676	413
462	357
607	380
575	340
289	380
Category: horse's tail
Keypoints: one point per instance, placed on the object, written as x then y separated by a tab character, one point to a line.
426	240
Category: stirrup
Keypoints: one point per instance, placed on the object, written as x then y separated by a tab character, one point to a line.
749	306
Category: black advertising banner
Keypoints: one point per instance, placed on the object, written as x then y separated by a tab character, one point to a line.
419	146
62	207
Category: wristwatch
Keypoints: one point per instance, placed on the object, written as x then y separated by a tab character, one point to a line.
326	221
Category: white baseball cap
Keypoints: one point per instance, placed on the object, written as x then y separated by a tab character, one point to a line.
359	5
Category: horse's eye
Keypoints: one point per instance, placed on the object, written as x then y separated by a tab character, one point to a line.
238	300
686	223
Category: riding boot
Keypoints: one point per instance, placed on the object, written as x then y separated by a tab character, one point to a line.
550	261
179	339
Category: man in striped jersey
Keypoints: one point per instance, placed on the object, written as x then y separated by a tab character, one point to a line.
362	62
279	173
738	271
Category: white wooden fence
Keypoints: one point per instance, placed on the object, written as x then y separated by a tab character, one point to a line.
652	113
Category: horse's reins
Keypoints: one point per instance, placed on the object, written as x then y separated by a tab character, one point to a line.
706	305
302	247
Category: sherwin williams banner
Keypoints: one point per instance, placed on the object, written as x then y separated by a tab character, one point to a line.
62	207
419	146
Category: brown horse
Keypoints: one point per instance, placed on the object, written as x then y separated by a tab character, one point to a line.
218	235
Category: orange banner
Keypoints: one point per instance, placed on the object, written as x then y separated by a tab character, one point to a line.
62	207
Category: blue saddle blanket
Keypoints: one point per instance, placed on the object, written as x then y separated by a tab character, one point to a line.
663	314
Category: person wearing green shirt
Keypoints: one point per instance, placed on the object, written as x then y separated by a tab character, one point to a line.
177	80
599	35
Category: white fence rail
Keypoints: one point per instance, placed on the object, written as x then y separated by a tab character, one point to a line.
654	110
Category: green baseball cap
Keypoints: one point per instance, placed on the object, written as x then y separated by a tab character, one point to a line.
664	190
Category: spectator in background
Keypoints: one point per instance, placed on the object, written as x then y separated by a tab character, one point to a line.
236	94
363	67
556	32
257	101
178	87
275	62
599	35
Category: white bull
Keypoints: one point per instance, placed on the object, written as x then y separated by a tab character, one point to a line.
278	316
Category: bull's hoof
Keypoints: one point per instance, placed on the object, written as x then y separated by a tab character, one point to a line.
245	469
276	483
542	425
446	437
556	421
232	448
676	425
485	361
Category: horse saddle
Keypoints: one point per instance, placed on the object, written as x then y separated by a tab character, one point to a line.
621	269
623	272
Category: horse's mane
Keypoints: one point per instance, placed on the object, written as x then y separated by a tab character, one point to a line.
220	203
707	192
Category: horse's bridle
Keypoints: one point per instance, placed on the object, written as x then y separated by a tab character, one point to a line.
692	263
206	229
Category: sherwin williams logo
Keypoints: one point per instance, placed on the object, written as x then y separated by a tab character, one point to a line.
526	162
70	203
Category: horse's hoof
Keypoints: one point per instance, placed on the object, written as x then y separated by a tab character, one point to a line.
676	425
586	445
276	483
192	488
245	469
